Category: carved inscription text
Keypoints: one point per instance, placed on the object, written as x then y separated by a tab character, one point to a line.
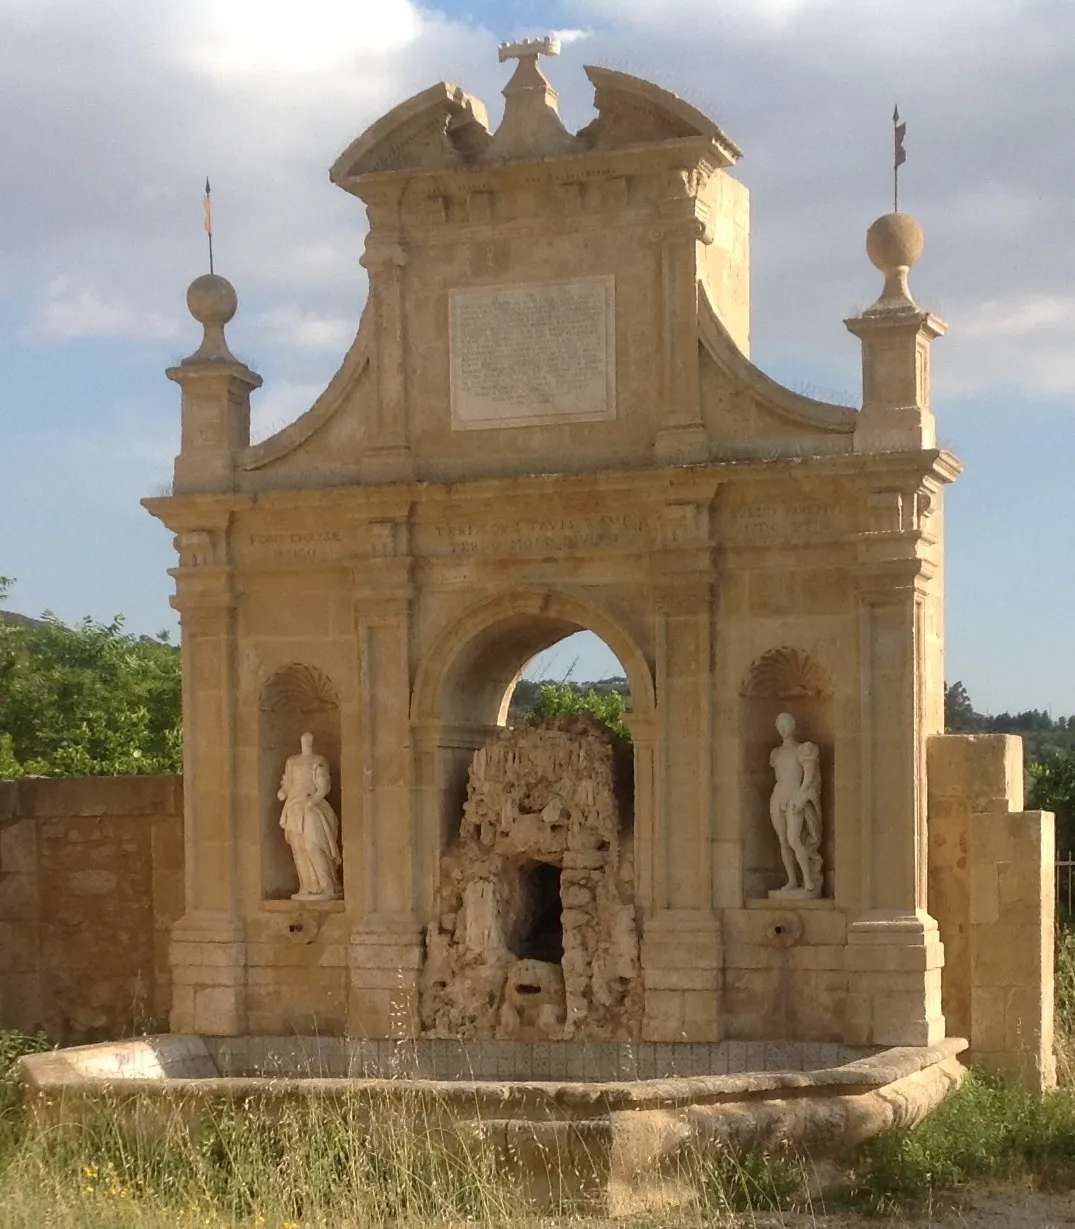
615	530
524	355
780	522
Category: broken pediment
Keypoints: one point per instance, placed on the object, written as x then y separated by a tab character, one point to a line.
631	111
442	128
445	129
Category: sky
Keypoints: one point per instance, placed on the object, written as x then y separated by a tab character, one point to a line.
112	113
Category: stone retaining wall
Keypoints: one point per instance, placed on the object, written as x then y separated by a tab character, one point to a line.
91	880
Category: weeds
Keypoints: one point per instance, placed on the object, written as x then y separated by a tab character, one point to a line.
986	1130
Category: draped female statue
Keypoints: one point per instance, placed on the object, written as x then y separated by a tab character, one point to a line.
310	825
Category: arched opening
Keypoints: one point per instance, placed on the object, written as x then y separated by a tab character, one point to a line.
472	697
298	699
535	827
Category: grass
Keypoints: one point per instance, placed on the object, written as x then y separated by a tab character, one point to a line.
324	1164
985	1131
334	1166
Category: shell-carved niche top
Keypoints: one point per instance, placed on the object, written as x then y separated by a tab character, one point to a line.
299	688
785	673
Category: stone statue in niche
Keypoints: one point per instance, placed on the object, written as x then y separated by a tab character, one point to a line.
310	824
795	809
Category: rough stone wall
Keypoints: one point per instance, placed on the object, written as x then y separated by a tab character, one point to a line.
548	796
91	879
991	890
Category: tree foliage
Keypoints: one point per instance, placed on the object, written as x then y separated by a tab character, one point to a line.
1043	735
1052	788
606	704
88	700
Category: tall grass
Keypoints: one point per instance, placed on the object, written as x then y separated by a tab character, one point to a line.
332	1164
337	1165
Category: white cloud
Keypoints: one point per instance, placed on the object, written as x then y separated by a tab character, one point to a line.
71	310
290	326
245	37
567	37
1031	314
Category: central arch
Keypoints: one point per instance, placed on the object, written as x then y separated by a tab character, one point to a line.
459	701
474	660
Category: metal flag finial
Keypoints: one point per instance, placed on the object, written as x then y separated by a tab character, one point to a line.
208	210
899	155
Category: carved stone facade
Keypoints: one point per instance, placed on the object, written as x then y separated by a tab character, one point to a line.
536	934
432	522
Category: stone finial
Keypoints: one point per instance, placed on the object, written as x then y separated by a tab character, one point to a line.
531	127
212	301
894	243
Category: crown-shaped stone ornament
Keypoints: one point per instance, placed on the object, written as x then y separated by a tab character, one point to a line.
531	127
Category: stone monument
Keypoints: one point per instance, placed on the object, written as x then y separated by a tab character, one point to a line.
549	420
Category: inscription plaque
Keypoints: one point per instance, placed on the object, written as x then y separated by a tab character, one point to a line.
527	355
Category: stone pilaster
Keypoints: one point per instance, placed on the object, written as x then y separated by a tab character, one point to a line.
388	457
681	948
386	946
207	952
894	955
682	224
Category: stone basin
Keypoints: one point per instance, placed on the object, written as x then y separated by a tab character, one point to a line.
608	1122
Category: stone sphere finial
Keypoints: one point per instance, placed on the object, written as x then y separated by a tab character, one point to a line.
894	244
212	301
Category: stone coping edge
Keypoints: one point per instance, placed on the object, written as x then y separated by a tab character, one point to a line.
64	1072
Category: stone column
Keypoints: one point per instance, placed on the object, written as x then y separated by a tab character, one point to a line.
207	952
388	458
681	948
386	945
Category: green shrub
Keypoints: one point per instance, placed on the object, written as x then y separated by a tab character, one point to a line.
561	699
986	1130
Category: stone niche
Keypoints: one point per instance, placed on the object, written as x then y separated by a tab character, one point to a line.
296	700
537	932
783	680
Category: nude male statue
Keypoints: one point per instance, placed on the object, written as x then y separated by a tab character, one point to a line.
310	825
795	810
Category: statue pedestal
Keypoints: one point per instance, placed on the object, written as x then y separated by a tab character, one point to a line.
795	893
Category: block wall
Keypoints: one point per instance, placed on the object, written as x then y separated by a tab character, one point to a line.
91	880
991	890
